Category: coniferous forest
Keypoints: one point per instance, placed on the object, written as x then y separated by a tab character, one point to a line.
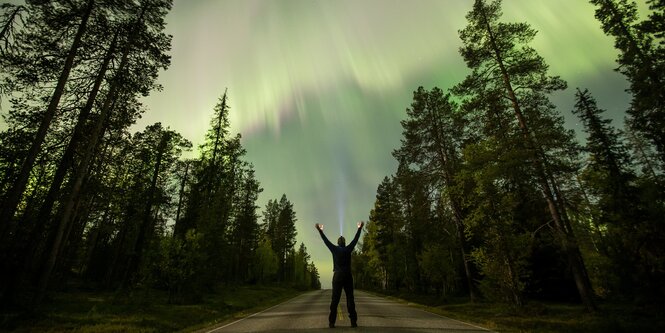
86	202
493	200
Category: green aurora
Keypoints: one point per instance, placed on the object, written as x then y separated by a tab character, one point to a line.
317	88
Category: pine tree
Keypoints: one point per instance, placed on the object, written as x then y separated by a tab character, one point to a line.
504	65
162	147
127	84
13	196
432	137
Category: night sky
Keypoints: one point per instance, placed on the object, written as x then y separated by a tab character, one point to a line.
317	88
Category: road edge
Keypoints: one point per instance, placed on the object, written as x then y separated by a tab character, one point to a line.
245	314
424	308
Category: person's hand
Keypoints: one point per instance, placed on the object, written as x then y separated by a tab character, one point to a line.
318	226
361	224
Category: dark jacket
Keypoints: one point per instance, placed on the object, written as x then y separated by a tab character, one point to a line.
341	254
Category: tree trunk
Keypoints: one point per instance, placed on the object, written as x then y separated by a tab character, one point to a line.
458	217
639	145
179	230
67	159
16	191
80	175
136	252
66	162
566	235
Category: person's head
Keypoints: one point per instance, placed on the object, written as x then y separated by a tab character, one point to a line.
341	241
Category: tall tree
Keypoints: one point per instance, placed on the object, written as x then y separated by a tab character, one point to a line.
504	65
208	202
139	36
604	144
623	216
432	135
641	62
244	226
284	234
385	237
13	196
161	147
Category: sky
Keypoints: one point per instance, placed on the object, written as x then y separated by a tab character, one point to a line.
317	88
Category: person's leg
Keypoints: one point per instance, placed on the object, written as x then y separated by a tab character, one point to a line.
336	295
350	301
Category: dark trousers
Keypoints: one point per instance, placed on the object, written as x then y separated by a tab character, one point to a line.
342	280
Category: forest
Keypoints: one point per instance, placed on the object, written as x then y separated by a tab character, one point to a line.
495	199
88	205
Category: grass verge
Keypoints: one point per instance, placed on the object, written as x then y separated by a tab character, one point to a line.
144	311
539	317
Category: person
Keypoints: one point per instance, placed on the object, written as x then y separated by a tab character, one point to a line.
342	278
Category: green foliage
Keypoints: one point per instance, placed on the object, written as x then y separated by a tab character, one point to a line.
179	265
147	310
544	317
641	60
437	266
500	170
266	262
618	212
279	225
503	262
105	200
387	240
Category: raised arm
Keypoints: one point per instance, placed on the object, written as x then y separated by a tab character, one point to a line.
355	239
319	227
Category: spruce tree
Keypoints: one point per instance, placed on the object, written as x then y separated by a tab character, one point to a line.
629	223
284	235
387	221
641	62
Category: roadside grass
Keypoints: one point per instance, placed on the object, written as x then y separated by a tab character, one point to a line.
541	317
143	311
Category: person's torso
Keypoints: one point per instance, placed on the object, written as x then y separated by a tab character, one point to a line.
342	259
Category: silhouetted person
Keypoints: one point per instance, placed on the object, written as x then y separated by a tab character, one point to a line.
342	277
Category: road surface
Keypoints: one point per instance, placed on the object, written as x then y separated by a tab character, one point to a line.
309	313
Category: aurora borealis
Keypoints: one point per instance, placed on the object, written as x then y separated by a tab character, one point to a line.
317	88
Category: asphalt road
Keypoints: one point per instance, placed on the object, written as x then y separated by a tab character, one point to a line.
309	313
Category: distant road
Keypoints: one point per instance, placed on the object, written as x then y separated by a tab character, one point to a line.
309	313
